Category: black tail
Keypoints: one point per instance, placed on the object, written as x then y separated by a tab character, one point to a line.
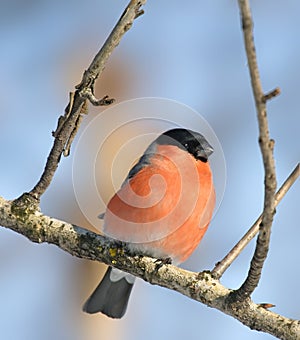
110	297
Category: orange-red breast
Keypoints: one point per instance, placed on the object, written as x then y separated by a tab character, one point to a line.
163	209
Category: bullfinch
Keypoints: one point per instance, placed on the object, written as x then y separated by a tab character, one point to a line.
162	209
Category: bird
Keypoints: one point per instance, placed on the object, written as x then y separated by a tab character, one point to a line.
162	210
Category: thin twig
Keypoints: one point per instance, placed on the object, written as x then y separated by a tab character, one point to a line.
68	124
223	265
271	94
105	101
266	147
124	24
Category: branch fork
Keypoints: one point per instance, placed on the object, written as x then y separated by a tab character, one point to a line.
23	214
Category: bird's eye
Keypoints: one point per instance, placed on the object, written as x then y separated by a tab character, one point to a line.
186	145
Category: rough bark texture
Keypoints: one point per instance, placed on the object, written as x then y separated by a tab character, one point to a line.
24	217
21	216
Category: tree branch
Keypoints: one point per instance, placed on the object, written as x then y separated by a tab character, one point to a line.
266	147
68	124
23	215
201	287
223	265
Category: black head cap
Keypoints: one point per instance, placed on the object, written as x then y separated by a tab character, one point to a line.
188	140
